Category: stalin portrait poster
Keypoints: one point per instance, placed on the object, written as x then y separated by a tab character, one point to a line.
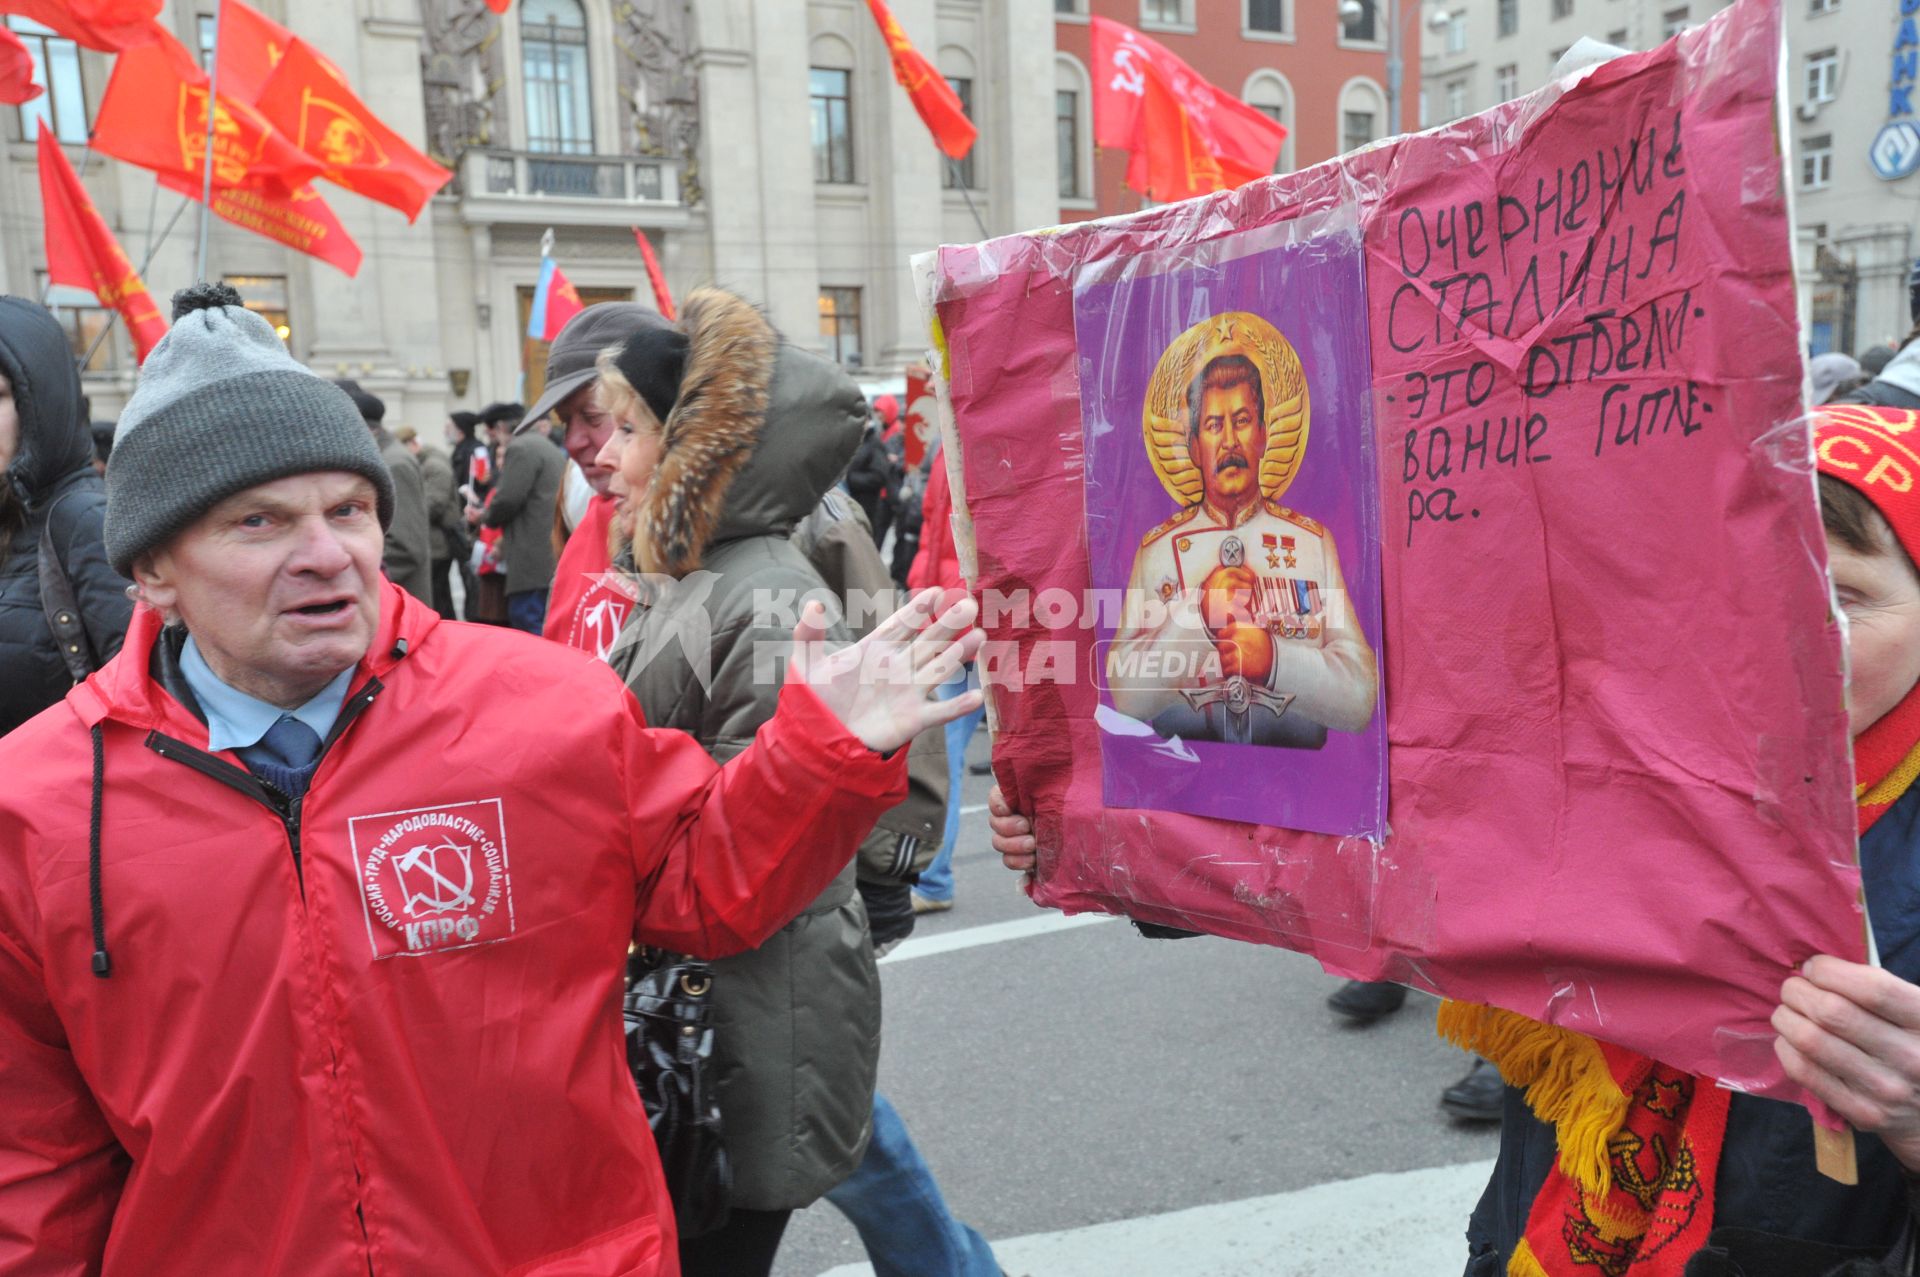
1232	499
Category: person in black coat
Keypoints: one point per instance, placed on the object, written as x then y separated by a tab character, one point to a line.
50	497
869	475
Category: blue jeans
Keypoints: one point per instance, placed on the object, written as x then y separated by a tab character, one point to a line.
903	1221
936	881
527	610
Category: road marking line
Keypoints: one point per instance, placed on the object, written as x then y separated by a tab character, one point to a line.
996	933
973	810
1403	1222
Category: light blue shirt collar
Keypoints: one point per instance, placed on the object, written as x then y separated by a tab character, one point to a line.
236	720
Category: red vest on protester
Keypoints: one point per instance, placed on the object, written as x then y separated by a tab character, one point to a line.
383	1036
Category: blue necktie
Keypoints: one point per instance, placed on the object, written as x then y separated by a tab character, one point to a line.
285	757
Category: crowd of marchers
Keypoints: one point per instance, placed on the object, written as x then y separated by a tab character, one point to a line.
345	782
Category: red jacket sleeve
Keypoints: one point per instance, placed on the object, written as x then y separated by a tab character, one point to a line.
726	856
61	1170
938	560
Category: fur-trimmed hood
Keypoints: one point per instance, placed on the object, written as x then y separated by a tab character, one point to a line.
759	432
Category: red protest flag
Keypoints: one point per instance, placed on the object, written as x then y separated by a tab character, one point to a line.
1119	83
250	46
1173	161
555	301
111	26
498	6
1187	137
309	101
938	105
82	252
298	218
154	116
661	297
16	71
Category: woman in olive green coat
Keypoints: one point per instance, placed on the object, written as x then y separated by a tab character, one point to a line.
750	433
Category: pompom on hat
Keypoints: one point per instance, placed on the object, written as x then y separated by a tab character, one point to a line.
222	407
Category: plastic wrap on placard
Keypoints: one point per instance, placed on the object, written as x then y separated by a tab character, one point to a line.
1526	397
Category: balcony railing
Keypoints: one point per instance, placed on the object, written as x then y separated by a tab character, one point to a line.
517	185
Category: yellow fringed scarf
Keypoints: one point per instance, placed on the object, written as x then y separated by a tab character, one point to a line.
1632	1191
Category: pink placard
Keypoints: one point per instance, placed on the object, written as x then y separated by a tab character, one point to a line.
1618	769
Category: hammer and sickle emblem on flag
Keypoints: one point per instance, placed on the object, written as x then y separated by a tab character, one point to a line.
336	136
437	879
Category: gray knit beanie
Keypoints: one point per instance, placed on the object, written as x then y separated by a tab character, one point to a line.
221	406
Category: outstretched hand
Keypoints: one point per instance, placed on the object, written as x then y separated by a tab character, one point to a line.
881	688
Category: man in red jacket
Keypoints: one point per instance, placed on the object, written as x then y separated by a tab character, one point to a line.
589	604
314	907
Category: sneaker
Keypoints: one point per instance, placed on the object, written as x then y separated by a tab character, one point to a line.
927	904
1364	1001
1477	1097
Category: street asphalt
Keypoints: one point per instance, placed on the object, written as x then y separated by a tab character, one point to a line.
1078	1077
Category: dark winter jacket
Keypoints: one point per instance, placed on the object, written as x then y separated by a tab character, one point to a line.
52	476
1897	386
445	509
1767	1181
408	555
870	476
759	432
526	492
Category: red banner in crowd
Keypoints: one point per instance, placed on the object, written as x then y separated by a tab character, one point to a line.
1186	137
82	252
112	26
921	413
154	116
309	101
939	106
661	297
16	71
298	218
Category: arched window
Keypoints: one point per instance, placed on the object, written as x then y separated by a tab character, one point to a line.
553	60
957	65
1073	139
830	80
1363	113
1269	93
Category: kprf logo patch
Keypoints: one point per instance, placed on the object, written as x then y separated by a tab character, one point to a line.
434	878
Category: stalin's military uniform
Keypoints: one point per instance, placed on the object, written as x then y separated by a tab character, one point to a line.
1283	575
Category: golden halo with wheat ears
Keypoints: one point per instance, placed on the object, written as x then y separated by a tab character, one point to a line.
1282	378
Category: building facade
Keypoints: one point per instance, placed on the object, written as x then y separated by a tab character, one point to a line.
760	144
1852	69
1325	77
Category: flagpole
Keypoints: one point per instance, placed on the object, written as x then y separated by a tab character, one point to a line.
206	157
965	194
153	246
153	211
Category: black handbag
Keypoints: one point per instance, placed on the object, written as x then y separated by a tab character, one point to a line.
669	1020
